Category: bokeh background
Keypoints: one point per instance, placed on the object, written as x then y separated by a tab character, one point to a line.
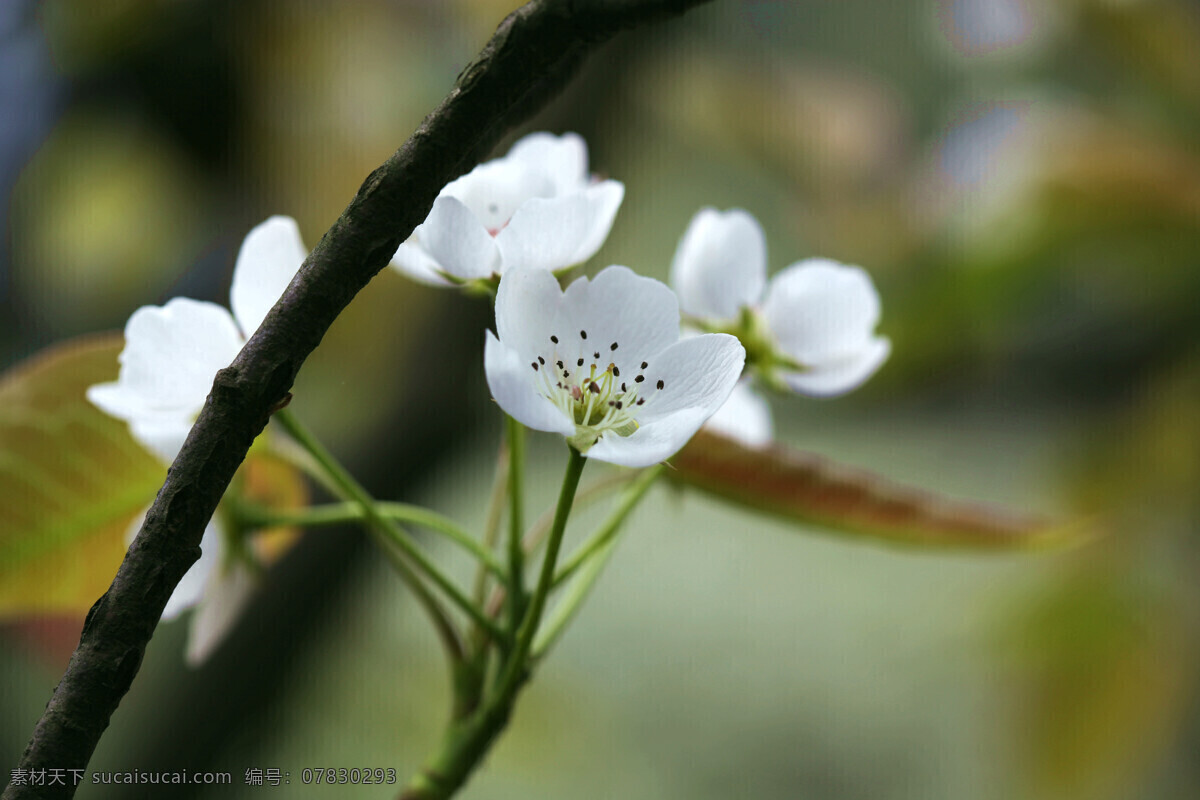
1021	178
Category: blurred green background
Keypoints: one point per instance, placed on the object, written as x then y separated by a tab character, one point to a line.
1021	178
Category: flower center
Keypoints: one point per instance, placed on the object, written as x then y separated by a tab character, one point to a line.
592	393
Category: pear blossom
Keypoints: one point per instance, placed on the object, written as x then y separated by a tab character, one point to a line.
172	352
602	364
171	355
812	326
535	207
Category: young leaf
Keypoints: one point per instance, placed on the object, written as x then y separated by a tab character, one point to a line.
805	488
71	480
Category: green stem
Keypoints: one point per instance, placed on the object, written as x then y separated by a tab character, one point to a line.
469	739
605	533
515	670
541	528
589	561
516	528
588	495
353	490
341	513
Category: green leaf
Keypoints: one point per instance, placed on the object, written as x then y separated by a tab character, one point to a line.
71	480
813	491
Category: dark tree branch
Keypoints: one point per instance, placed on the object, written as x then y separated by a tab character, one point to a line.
532	55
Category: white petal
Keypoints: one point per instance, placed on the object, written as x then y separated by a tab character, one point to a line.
191	588
819	310
116	400
270	257
651	443
225	595
164	437
554	233
604	199
720	264
417	264
511	380
527	305
618	306
457	241
495	190
835	377
171	355
744	417
562	158
698	374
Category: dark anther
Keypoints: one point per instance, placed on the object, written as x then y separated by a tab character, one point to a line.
660	384
645	364
560	364
579	363
594	388
616	371
541	360
641	400
583	334
596	356
623	389
612	346
566	374
639	379
554	339
618	405
534	365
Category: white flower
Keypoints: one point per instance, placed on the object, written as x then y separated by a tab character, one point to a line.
745	417
602	364
535	207
172	352
171	355
818	317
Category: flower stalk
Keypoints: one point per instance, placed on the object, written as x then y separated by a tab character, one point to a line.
469	738
390	533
